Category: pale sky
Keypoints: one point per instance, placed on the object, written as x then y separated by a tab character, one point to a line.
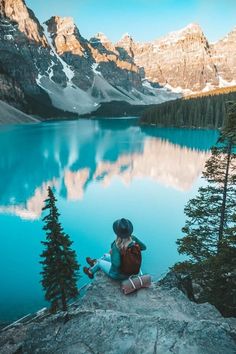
145	20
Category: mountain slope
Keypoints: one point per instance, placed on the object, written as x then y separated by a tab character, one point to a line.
55	65
23	58
107	76
11	115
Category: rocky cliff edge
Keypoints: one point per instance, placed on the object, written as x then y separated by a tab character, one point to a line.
157	320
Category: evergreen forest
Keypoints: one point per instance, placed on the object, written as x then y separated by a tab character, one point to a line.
205	110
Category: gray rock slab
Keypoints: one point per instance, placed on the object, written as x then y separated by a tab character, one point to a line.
156	320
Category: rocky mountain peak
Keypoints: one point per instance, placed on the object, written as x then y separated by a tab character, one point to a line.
231	35
104	46
101	37
194	27
228	40
65	35
126	40
179	59
126	37
16	10
125	47
191	32
224	54
189	29
62	25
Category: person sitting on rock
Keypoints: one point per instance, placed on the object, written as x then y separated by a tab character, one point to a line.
124	258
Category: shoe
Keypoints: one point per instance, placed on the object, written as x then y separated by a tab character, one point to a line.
88	272
90	261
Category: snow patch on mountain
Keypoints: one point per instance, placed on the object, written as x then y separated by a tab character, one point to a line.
102	91
67	70
178	90
156	96
50	70
224	83
94	68
70	98
208	87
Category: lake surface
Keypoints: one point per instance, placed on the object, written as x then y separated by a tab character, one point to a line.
100	170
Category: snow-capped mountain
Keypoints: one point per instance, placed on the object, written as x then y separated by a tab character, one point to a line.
224	57
52	68
185	61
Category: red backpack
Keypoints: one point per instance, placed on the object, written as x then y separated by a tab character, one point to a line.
131	260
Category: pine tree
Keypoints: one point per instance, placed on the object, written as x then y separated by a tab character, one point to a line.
60	267
211	215
210	229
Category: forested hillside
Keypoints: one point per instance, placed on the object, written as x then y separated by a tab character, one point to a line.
205	110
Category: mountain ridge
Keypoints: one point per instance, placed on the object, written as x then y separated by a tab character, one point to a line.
77	75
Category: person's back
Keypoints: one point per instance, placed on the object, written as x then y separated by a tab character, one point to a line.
125	254
119	251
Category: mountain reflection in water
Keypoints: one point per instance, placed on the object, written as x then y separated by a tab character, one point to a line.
71	157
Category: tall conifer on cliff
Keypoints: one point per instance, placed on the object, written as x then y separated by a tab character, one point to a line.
211	214
60	267
210	228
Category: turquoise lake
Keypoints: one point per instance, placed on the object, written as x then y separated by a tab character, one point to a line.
101	170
